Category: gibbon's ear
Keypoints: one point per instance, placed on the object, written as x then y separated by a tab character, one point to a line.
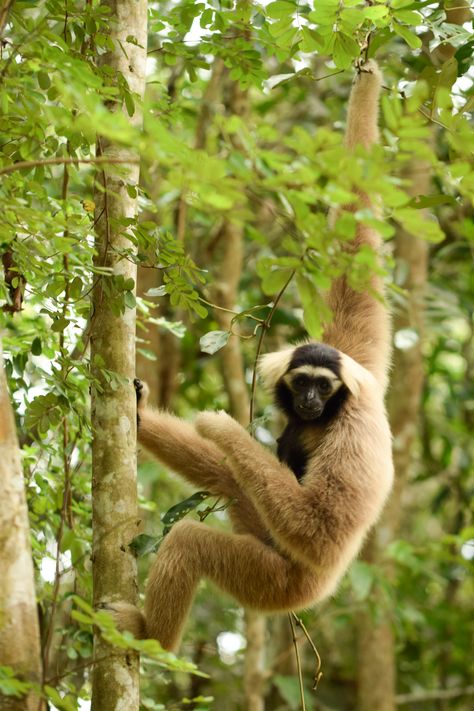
354	376
273	366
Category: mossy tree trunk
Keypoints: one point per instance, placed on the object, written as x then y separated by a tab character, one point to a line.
115	680
19	629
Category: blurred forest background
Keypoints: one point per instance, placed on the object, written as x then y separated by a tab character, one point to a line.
239	142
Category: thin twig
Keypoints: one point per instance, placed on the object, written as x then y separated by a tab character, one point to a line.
318	673
4	10
298	660
434	695
26	164
265	325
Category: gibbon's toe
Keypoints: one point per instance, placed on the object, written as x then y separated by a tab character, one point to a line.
127	618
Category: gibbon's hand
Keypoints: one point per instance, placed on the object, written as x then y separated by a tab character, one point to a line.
142	391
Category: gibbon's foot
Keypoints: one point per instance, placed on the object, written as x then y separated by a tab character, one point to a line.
368	66
127	618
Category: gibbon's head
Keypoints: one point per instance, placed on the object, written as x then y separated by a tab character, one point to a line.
312	381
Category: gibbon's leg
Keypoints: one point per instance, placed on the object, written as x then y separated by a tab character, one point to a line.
252	572
283	503
177	444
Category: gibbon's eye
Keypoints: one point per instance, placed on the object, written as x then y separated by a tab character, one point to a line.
324	385
300	382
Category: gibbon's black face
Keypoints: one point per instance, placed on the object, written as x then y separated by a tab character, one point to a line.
312	389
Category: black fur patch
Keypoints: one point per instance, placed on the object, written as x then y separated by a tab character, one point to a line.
317	354
291	452
290	449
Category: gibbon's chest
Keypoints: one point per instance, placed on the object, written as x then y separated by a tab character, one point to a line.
296	446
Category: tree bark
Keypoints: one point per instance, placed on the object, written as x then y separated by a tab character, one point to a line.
115	680
19	629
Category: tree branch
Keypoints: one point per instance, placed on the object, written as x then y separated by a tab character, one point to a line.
26	164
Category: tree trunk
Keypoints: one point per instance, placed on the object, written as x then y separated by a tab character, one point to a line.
115	680
376	645
19	629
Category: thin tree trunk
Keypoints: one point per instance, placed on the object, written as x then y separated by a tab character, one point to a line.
376	645
19	629
115	680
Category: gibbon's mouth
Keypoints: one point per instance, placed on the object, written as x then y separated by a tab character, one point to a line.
308	413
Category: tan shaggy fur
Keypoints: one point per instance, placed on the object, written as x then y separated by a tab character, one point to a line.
293	540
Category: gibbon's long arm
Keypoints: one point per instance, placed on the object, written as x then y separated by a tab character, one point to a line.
361	324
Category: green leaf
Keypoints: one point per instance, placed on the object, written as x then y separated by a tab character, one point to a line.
180	510
345	50
36	347
309	299
422	201
60	324
213	341
143	544
206	17
44	80
375	12
75	288
274	280
280	9
410	37
156	291
410	17
177	328
414	222
311	41
129	103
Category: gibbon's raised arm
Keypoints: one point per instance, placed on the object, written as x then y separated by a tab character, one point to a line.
361	325
302	518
